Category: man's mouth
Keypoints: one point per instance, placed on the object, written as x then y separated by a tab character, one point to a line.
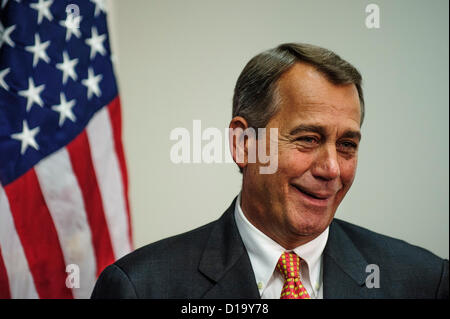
315	195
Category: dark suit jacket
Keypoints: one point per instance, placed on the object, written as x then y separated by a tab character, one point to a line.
212	262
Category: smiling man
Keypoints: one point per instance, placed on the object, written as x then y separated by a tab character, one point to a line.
318	135
279	237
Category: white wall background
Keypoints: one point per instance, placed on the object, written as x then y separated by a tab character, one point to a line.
178	60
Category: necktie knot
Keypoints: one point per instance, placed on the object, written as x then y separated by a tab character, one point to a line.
289	266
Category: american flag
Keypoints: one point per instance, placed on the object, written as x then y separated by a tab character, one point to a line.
63	192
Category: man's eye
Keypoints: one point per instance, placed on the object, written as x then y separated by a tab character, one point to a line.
307	139
348	145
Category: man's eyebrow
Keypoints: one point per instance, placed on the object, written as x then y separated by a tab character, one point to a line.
352	134
307	128
321	130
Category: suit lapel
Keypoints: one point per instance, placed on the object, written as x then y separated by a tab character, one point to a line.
226	263
344	268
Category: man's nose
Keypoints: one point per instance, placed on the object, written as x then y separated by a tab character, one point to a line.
326	166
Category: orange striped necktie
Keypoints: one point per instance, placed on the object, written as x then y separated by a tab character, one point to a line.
289	266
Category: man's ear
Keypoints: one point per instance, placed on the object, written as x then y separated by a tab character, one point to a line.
241	137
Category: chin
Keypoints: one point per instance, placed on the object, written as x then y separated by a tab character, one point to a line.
309	223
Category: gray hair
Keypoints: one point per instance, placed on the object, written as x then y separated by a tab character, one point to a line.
255	95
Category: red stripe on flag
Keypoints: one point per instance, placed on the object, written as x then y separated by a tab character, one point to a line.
4	282
38	235
115	116
81	159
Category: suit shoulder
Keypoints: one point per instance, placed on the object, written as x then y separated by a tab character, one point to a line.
172	248
404	267
402	270
392	252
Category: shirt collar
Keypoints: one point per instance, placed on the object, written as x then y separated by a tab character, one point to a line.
265	252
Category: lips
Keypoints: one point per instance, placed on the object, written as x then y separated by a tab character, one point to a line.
314	194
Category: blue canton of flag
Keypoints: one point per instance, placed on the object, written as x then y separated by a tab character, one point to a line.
55	71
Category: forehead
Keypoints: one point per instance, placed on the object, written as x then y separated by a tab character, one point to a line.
306	94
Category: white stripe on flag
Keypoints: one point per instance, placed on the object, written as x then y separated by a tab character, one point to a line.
21	282
65	203
107	170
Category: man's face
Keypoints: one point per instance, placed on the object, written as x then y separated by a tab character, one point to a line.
318	135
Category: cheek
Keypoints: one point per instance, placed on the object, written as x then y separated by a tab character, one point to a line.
348	171
293	163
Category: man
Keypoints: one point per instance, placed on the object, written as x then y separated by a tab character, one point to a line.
279	238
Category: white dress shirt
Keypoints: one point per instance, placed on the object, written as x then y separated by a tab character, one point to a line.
265	252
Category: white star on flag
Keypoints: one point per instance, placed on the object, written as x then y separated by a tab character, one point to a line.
5	35
27	137
64	109
92	83
38	50
96	43
99	6
2	78
43	9
72	24
32	94
67	67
